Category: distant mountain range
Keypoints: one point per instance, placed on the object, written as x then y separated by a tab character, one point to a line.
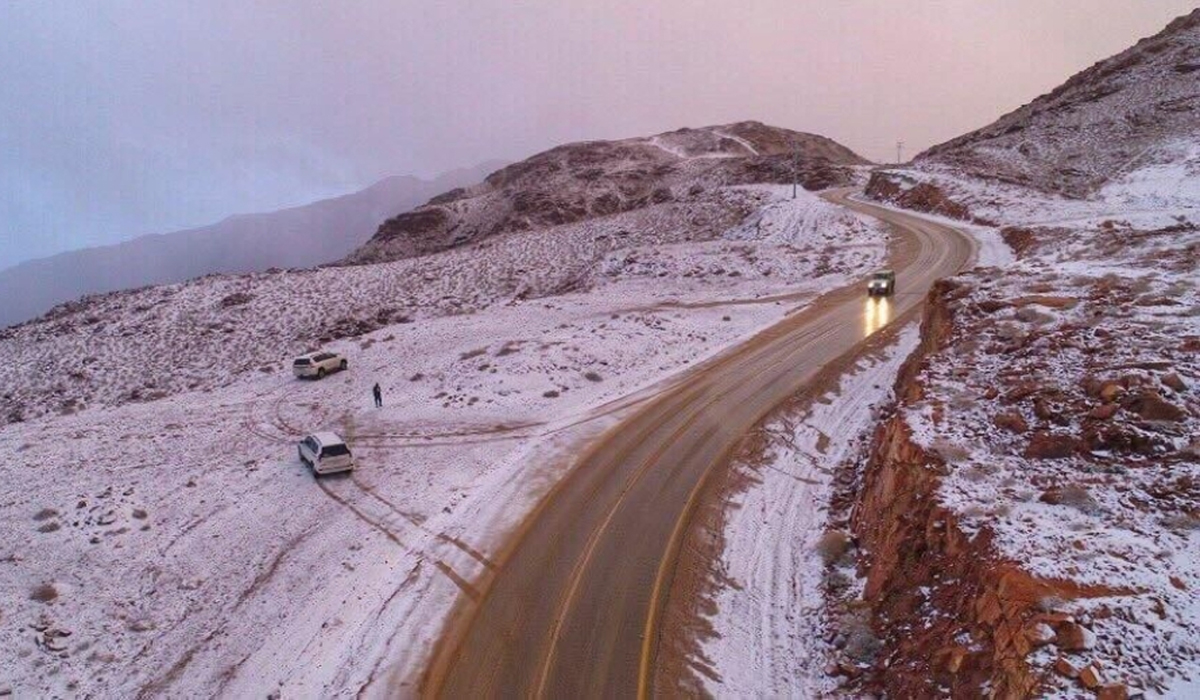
302	236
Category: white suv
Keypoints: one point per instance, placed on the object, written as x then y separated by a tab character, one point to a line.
326	453
318	364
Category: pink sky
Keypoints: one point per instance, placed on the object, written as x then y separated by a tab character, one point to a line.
118	119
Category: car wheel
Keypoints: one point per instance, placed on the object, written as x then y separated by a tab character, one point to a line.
344	365
321	373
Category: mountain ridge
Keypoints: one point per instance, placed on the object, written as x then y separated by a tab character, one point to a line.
300	236
1097	124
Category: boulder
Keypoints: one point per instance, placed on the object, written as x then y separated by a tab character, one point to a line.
1046	445
1148	404
1065	668
1174	382
1090	677
1011	421
1074	637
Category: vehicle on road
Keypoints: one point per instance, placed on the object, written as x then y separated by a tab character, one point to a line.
316	365
326	453
882	284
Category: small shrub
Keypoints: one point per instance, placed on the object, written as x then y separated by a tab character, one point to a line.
861	643
832	546
949	451
236	299
1077	497
43	593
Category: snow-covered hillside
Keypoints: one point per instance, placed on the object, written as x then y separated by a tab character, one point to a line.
1108	120
1045	460
176	546
596	179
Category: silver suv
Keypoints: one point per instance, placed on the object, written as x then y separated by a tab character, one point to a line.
326	453
318	364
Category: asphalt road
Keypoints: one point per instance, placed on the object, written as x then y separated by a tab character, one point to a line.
572	609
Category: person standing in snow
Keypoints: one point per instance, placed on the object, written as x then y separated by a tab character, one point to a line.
378	395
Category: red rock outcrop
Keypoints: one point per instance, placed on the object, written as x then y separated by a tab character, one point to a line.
951	612
922	196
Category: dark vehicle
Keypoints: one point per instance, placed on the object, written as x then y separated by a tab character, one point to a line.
882	284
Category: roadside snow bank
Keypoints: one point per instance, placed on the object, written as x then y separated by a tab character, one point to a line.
770	636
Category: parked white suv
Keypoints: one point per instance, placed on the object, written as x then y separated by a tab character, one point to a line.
318	364
326	453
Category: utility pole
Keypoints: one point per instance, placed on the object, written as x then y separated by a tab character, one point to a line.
795	166
899	152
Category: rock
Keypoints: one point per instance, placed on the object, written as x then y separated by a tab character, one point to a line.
1040	634
954	659
1090	677
1011	421
1049	411
1021	391
1046	445
1075	637
1151	406
1110	391
1065	668
1117	691
1104	411
1174	382
53	642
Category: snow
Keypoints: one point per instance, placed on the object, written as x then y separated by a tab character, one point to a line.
176	546
1107	292
769	622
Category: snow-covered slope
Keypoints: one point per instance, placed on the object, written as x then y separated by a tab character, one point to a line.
176	547
304	236
149	343
1108	120
595	179
1048	439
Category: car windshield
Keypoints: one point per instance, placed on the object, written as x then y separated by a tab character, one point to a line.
303	361
334	450
882	276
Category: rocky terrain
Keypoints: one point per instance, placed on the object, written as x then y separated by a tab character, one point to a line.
1121	114
584	181
1027	520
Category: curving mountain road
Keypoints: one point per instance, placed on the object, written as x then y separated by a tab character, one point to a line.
572	609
